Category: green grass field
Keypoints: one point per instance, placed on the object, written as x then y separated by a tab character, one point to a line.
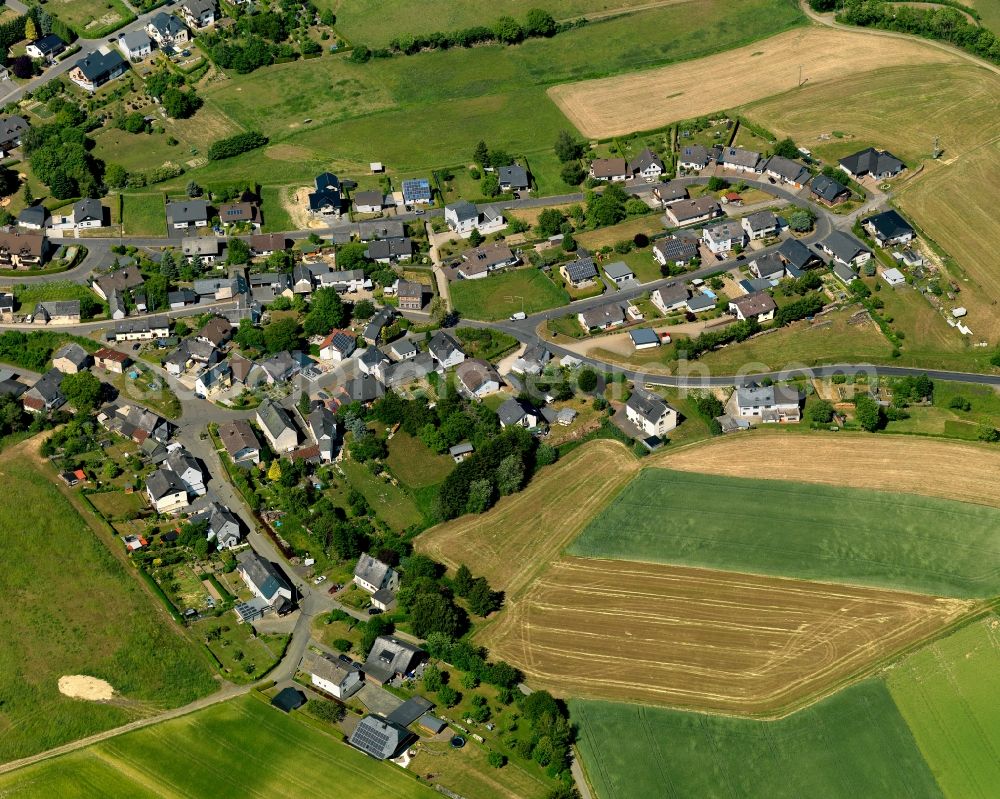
947	694
71	608
91	18
498	296
30	294
235	749
391	504
854	744
802	530
144	214
414	464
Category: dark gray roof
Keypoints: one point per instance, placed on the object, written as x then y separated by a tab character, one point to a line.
373	197
761	220
603	315
673	293
694	154
73	352
515	175
889	225
769	265
843	246
618	270
827	188
644	160
872	162
274	418
670	191
787	169
381	229
673	249
33	215
513	410
187	211
738	156
463	210
390	656
371	570
411	710
379	737
167	24
390	248
98	66
49	44
649	406
581	269
262	573
443	346
289	699
135	40
797	254
164	482
644	335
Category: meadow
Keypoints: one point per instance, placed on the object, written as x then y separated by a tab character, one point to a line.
72	608
238	748
853	744
499	296
947	694
778	527
144	214
91	18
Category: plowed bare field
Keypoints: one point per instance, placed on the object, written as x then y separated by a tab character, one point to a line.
645	100
704	639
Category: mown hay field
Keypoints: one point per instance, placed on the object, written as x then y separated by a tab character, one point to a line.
793	529
703	639
854	744
646	100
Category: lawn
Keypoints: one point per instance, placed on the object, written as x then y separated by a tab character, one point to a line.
623	231
989	11
254	750
144	214
391	504
414	464
117	504
276	216
91	18
28	295
851	745
245	657
802	530
947	694
941	419
499	296
72	608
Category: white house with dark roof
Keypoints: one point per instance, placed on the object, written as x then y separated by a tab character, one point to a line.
760	224
515	412
223	526
694	157
619	273
768	403
612	169
240	441
756	305
199	13
445	350
183	214
371	575
789	172
844	249
671	297
135	45
514	178
322	424
741	160
380	738
186	467
829	191
166	491
477	378
877	164
646	165
721	238
276	424
652	415
11	130
601	317
167	30
689	212
889	228
369	202
264	580
47	47
94	70
479	262
331	676
390	657
578	273
673	251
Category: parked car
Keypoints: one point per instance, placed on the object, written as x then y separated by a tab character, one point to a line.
320	579
344	659
374	611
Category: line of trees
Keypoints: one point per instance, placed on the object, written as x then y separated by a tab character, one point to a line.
236	145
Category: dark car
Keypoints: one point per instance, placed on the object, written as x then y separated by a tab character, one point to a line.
374	611
344	659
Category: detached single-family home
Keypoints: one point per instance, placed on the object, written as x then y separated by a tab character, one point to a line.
240	441
650	414
277	426
889	228
390	251
328	197
878	164
184	214
769	403
670	193
646	165
47	47
741	160
371	575
332	677
417	191
721	238
373	330
167	30
46	394
403	349
760	224
370	360
516	412
845	249
124	279
757	305
111	360
381	229
166	491
581	272
87	213
613	169
694	157
829	191
477	378
670	297
239	213
409	295
478	262
199	13
215	378
391	657
71	358
789	172
135	45
11	130
57	312
267	243
93	71
673	251
445	350
688	212
205	248
337	346
216	331
463	217
349	281
223	526
769	266
619	273
369	202
34	217
602	317
514	178
264	580
795	254
532	360
380	738
21	249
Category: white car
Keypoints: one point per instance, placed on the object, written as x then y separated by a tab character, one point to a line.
319	579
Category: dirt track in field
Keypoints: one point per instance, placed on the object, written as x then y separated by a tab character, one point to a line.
703	639
966	472
645	100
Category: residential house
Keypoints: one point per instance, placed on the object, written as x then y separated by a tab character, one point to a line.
280	368
134	422
698	303
445	350
269	285
111	360
322	424
463	217
239	213
643	338
380	738
409	295
670	297
21	250
11	130
94	70
391	657
167	30
187	213
390	251
893	276
34	217
417	191
578	273
769	266
373	330
216	331
371	575
116	306
370	359
760	225
46	394
845	249
328	196
795	254
403	349
829	191
619	273
460	452
721	238
181	298
757	305
670	193
877	164
240	441
646	165
124	279
652	415
381	229
613	169
694	157
264	580
186	467
741	160
889	228
264	244
47	48
337	346
789	172
10	387
246	372
135	45
223	526
477	378
348	281
769	403
514	178
369	202
277	426
206	248
675	252
332	677
688	212
166	491
402	373
71	358
57	312
516	412
215	378
198	13
602	317
480	261
190	352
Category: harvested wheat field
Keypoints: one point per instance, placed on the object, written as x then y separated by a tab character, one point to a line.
517	539
650	99
704	639
948	469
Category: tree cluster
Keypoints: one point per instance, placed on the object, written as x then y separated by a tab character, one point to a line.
710	339
471	659
59	153
809	305
482	599
505	30
236	145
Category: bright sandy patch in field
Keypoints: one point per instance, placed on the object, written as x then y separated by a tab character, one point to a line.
80	686
654	98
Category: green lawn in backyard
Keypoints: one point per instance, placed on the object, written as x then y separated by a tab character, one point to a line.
144	214
499	296
276	217
238	748
810	531
245	657
853	744
414	464
117	504
947	694
391	504
73	608
28	295
941	419
91	18
623	231
641	262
